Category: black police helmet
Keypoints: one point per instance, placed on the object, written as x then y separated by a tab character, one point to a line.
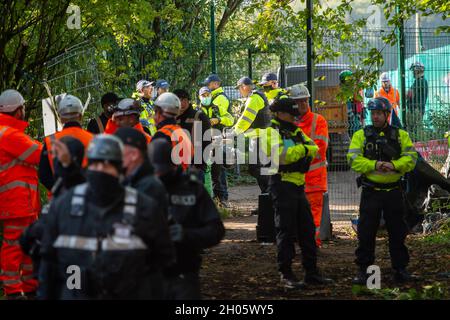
105	147
285	105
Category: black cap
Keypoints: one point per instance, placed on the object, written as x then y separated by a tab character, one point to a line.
161	83
268	77
160	155
244	81
285	105
212	77
76	149
132	137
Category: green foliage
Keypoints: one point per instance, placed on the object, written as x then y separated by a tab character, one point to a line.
435	291
441	236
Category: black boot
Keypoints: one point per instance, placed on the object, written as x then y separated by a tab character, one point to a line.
403	276
290	281
360	278
315	278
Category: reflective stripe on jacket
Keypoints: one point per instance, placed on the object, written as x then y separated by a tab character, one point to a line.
366	167
19	157
181	143
284	151
316	127
254	110
393	97
82	135
220	100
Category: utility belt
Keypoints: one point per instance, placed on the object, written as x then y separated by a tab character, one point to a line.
362	181
301	166
276	179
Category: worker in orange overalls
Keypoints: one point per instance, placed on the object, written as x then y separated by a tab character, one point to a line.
19	196
389	92
314	126
126	115
70	111
167	107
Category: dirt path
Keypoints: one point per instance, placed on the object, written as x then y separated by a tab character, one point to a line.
241	268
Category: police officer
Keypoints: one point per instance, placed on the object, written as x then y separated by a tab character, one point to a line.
269	83
382	154
218	109
195	223
145	89
290	151
196	122
256	115
139	173
70	110
101	240
98	124
69	153
161	86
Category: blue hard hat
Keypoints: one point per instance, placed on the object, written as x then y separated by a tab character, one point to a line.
212	77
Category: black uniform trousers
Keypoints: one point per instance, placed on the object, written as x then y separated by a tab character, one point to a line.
293	219
373	204
219	181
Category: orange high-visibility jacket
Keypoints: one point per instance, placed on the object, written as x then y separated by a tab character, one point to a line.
316	127
79	133
111	128
181	142
394	98
19	157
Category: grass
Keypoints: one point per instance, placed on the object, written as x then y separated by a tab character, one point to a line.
441	236
435	291
243	179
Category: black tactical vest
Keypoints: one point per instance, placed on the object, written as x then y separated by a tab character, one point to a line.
263	117
382	148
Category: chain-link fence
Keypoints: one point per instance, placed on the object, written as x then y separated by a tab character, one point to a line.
86	69
426	113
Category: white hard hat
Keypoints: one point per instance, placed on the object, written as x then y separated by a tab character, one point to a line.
127	106
417	65
70	104
10	100
298	91
169	103
141	84
385	77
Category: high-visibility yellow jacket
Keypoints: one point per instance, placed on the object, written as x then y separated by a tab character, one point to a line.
279	144
272	94
359	163
256	114
146	117
219	108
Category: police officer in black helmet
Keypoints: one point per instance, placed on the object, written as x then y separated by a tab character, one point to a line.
101	240
194	222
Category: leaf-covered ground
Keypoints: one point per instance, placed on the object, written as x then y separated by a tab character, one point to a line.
241	268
